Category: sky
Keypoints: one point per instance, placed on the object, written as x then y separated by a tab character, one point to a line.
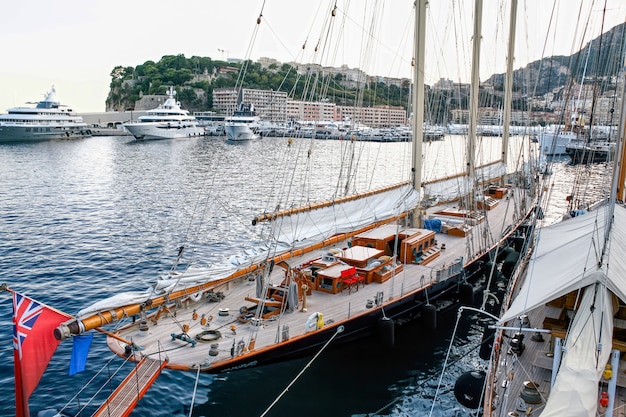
75	44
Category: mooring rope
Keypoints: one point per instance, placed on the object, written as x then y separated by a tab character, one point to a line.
339	330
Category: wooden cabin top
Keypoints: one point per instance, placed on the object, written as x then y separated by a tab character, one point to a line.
387	232
359	255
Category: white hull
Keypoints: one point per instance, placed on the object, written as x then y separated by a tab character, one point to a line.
161	130
239	132
28	133
554	144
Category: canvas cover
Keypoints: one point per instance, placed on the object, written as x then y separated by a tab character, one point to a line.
566	257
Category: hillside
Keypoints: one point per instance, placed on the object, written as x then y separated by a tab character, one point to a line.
196	77
600	59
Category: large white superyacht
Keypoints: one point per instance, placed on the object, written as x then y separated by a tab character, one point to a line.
167	121
47	120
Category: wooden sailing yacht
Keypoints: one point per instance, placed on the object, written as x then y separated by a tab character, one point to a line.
330	272
559	343
383	256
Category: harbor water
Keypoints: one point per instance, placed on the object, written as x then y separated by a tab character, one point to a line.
86	219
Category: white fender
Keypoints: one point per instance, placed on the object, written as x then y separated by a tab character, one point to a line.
312	322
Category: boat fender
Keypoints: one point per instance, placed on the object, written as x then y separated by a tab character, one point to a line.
429	316
466	294
604	401
311	322
487	343
468	389
196	297
386	331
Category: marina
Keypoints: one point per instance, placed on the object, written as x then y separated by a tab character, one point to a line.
306	247
127	239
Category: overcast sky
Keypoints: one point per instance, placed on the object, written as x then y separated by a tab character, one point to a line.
74	44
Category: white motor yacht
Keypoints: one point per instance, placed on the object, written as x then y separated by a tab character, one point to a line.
47	120
243	124
168	121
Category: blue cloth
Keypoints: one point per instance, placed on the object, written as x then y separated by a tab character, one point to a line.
80	349
433	224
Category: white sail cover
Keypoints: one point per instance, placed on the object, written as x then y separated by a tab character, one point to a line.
575	390
566	256
290	232
303	229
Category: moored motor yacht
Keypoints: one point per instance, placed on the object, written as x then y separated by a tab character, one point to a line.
47	120
242	125
167	121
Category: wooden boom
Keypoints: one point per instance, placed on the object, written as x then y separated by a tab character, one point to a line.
315	206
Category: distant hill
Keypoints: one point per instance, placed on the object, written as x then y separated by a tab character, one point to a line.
195	78
601	58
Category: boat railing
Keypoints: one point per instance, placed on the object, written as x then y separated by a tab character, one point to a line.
448	271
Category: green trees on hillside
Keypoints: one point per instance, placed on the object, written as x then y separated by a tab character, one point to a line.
195	78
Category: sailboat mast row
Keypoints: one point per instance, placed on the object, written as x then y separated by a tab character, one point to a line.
419	55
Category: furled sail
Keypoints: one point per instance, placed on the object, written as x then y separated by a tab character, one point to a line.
296	231
587	350
307	227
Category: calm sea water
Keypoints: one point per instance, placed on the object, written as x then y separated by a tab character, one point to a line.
82	220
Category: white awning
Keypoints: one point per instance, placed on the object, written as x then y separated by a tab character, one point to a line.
566	258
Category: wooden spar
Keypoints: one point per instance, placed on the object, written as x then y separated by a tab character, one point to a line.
461	174
315	206
621	156
508	92
77	326
474	90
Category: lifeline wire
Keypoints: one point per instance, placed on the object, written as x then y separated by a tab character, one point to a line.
339	330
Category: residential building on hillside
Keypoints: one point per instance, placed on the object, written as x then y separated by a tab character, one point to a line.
379	116
311	111
269	104
489	116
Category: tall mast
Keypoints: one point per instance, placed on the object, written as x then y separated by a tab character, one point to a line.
620	153
508	92
418	96
474	85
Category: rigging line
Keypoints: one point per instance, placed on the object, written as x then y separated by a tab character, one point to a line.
87	384
445	363
460	357
195	387
340	329
109	379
